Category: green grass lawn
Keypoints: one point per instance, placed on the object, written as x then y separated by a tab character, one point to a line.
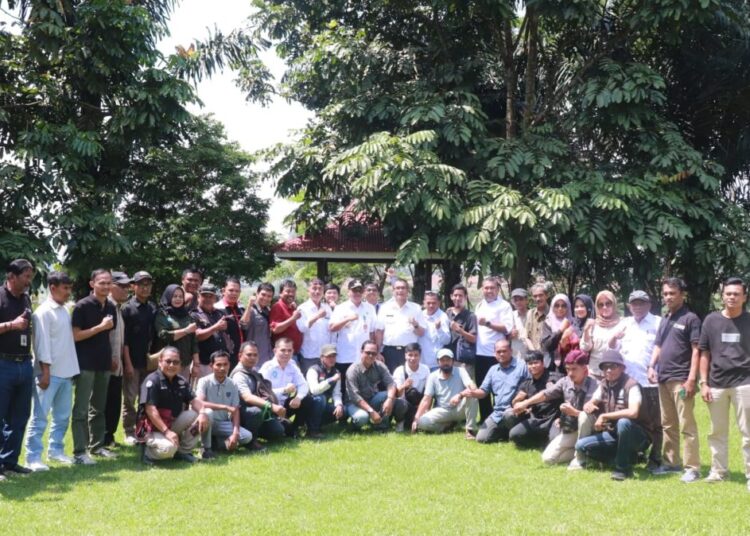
371	483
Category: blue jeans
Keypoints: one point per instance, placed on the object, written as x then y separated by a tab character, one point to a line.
622	445
321	412
361	418
16	382
57	398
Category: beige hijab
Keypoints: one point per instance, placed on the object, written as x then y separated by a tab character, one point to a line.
611	320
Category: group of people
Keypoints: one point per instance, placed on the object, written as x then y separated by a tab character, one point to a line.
570	377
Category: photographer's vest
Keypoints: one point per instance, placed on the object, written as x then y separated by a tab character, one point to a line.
323	375
616	398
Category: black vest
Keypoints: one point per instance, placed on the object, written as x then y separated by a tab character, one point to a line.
323	375
615	398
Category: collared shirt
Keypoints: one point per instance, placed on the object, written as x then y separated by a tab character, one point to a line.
259	331
94	353
117	339
437	334
281	377
395	321
443	389
246	380
534	322
503	384
544	410
139	319
320	382
53	340
218	340
14	341
675	338
418	377
462	349
215	392
518	344
353	334
637	345
315	336
363	383
281	312
567	391
496	312
172	394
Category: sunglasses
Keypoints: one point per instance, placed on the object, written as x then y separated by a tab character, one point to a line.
605	304
172	361
608	366
560	306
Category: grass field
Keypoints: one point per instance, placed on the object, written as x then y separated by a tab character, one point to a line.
371	483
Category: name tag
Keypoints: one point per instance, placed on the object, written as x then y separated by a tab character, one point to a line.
24	340
679	326
730	337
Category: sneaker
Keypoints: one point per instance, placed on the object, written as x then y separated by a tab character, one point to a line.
16	468
104	453
185	457
130	441
400	426
576	465
470	435
255	446
38	467
713	478
60	458
208	454
619	476
83	459
666	470
690	476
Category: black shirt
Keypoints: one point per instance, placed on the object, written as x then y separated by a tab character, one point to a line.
14	341
544	410
728	341
217	341
462	349
675	338
173	395
94	353
139	330
236	334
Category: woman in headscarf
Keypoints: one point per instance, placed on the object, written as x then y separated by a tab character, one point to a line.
558	320
175	327
583	313
604	333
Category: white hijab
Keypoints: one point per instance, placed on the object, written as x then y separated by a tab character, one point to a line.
552	320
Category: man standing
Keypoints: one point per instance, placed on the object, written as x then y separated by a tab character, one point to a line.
313	324
93	318
372	296
55	365
118	295
221	403
519	341
324	381
234	313
501	381
494	320
138	315
192	280
676	356
331	295
353	322
725	376
444	387
437	329
284	316
288	383
211	332
463	326
400	322
537	316
371	391
257	319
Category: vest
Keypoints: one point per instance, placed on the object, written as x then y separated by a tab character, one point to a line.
324	374
615	398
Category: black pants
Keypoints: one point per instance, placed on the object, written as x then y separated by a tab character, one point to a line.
300	414
342	368
251	418
112	408
653	408
394	357
481	368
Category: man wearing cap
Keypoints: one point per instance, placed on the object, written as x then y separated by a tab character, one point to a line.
257	321
371	391
313	324
400	322
571	392
138	315
211	332
118	295
16	372
619	432
519	342
352	323
444	388
411	378
437	329
463	326
537	316
324	381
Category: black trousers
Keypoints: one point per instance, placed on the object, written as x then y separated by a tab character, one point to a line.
342	368
481	368
112	408
394	357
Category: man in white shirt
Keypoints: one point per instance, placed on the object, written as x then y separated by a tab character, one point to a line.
325	382
411	378
519	344
313	324
55	365
437	329
353	323
287	382
400	322
494	323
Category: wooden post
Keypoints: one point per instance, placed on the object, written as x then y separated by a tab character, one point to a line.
323	270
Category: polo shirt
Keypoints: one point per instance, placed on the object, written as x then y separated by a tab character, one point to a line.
315	336
393	319
139	330
637	346
434	337
353	334
226	392
675	338
503	384
364	383
281	377
281	312
94	353
172	394
728	341
443	389
461	348
259	331
53	340
496	312
418	377
14	342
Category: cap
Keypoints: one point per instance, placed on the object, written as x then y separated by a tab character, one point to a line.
519	292
612	356
140	276
121	278
207	288
577	357
328	349
355	283
445	352
638	295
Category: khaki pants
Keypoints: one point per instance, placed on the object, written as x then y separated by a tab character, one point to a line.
678	414
718	439
438	419
131	390
562	449
158	447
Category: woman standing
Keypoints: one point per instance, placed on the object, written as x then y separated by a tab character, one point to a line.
558	320
583	314
175	327
603	334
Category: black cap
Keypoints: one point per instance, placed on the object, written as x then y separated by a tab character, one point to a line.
612	357
140	276
121	278
355	283
207	288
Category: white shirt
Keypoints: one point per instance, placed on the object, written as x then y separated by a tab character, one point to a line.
317	335
518	344
53	340
281	377
434	338
353	334
637	346
418	377
394	320
599	344
320	387
497	312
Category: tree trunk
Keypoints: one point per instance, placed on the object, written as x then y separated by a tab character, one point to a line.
420	282
451	277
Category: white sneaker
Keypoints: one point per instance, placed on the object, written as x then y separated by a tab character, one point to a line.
83	459
575	465
712	478
104	453
690	476
60	458
38	467
130	441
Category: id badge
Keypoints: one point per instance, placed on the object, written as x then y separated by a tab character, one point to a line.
730	337
24	340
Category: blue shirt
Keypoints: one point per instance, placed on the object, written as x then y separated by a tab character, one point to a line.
503	384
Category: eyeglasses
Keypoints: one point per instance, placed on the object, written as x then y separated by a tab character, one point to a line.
560	306
172	362
604	304
608	366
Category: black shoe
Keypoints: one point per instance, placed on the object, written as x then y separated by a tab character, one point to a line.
208	454
255	446
16	468
185	457
620	475
315	435
148	461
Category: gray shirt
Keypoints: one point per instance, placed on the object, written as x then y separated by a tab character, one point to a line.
210	390
567	391
362	383
443	389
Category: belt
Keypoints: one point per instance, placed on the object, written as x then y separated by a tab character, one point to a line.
18	358
399	348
